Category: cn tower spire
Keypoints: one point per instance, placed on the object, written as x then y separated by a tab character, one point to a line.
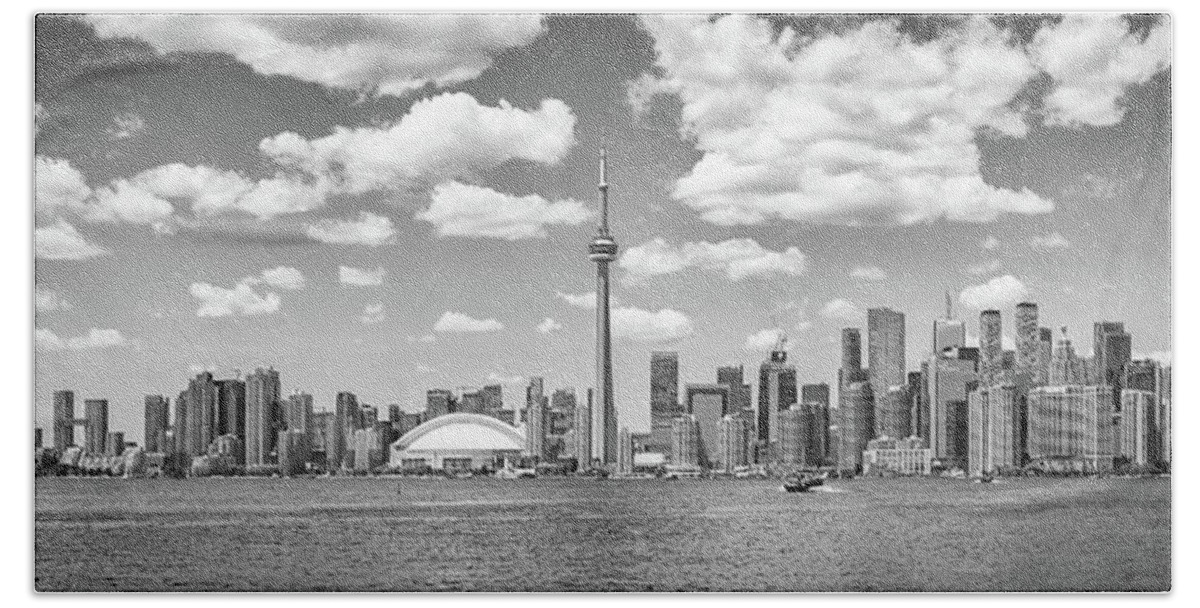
603	191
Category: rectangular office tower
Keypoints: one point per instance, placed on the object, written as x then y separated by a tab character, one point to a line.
95	433
664	398
732	450
776	392
1030	368
993	420
991	348
64	419
708	403
686	442
856	407
583	434
1141	428
949	378
885	350
535	425
814	399
262	398
1072	423
157	420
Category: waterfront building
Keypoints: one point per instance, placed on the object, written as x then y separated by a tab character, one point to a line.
664	398
685	441
200	415
230	448
708	403
177	429
294	451
347	419
1071	421
95	433
262	420
231	408
733	376
560	421
625	452
777	391
993	420
855	424
885	356
1140	428
114	443
918	403
1045	354
459	441
731	443
949	377
892	412
583	434
814	398
535	426
64	419
991	349
1111	350
792	438
37	438
856	408
371	447
888	456
156	421
603	250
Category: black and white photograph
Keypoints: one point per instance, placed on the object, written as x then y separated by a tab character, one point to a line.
626	302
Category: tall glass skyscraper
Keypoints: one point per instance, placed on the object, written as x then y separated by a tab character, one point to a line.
885	360
664	398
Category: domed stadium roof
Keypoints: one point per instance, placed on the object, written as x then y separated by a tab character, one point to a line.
461	431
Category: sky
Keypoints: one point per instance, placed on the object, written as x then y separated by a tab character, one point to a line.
387	204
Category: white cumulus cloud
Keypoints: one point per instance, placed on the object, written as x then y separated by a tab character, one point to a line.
370	230
762	340
48	300
738	258
373	313
474	211
455	322
440	138
242	299
360	277
638	325
57	186
862	126
1049	242
391	54
869	273
61	241
549	325
283	277
581	300
1093	58
841	309
998	293
46	339
990	243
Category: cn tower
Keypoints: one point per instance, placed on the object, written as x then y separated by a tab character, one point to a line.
602	250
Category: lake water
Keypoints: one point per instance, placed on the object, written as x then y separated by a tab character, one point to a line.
363	534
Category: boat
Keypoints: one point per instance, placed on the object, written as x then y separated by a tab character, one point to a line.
802	482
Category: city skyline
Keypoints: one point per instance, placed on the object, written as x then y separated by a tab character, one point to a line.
476	298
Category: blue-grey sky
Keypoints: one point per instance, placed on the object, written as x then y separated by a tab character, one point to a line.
390	204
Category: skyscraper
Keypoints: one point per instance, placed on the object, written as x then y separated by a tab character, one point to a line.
708	403
114	443
776	392
685	441
1112	350
95	434
1030	368
793	437
200	422
892	411
493	398
624	450
991	348
1065	367
664	397
346	420
948	332
602	250
535	427
815	400
262	396
300	412
438	402
157	419
885	357
1141	435
949	378
856	409
992	426
64	419
231	408
851	349
583	433
731	444
1071	421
